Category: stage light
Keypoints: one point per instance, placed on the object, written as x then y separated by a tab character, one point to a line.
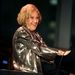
4	62
51	36
53	2
52	24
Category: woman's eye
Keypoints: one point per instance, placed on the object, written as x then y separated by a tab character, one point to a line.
31	17
34	17
37	18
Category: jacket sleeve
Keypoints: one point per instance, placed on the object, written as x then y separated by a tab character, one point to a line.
47	52
22	43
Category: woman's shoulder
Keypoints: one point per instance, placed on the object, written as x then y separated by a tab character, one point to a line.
19	29
21	32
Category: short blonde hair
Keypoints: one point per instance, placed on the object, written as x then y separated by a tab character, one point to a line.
25	12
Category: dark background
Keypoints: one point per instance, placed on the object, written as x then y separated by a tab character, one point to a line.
8	25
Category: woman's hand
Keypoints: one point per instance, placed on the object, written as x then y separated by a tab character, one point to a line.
63	53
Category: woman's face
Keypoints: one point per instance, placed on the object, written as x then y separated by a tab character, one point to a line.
32	21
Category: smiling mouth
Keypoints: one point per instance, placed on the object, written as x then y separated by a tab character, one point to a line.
35	25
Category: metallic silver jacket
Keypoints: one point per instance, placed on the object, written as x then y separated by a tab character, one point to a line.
28	49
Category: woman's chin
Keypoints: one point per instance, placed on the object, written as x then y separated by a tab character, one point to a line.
33	29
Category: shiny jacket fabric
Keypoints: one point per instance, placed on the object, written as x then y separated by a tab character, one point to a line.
28	51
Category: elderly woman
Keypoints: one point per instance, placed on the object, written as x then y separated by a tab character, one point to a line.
28	46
